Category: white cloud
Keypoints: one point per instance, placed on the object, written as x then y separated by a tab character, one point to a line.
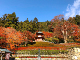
73	10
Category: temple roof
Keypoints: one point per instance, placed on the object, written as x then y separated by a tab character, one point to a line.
6	50
39	32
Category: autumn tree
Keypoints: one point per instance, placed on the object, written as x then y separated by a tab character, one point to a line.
56	22
57	19
12	37
28	36
47	34
65	30
2	37
78	36
62	28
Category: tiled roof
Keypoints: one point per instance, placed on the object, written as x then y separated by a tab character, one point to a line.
6	50
39	32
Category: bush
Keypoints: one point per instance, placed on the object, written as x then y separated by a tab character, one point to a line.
63	51
52	39
70	40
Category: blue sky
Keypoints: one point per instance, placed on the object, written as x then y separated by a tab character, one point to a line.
43	10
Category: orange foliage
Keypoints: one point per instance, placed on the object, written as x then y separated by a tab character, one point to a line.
30	36
2	41
72	29
12	37
57	18
47	34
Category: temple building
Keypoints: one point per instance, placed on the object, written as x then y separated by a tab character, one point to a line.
39	36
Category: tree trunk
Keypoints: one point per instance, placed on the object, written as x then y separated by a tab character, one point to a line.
65	38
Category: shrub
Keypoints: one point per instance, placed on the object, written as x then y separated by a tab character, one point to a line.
42	52
52	39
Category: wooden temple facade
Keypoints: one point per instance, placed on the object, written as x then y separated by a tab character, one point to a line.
39	36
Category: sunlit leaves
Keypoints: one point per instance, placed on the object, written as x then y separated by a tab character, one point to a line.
12	37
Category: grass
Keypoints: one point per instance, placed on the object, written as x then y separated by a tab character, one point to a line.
42	44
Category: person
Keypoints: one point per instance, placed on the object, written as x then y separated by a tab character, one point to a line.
7	56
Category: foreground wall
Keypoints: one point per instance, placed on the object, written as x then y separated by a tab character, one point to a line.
41	59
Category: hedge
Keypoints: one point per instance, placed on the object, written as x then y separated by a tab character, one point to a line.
42	52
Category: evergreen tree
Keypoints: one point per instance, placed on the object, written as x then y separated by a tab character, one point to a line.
26	20
77	18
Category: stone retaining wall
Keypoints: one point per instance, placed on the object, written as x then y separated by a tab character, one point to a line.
74	53
41	59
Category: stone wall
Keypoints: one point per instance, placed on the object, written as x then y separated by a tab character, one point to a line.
41	59
74	53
